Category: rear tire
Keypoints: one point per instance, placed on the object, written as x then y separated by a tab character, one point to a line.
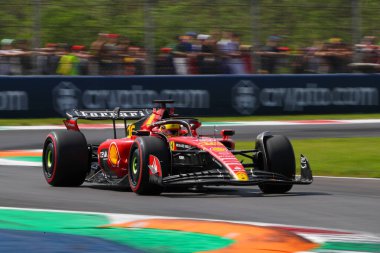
141	180
280	158
65	158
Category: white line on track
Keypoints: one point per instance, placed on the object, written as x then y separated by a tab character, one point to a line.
7	162
353	178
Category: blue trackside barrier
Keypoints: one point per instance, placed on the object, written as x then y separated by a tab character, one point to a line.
51	96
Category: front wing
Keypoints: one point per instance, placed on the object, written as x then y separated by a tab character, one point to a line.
255	177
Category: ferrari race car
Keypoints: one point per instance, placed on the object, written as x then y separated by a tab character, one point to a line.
161	149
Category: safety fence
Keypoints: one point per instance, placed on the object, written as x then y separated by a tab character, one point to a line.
219	95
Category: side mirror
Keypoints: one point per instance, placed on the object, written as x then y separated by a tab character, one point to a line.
227	132
142	133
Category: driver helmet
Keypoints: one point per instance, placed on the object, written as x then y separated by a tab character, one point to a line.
170	129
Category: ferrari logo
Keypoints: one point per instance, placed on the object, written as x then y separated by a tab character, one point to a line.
172	145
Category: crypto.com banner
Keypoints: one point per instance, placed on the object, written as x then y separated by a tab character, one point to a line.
51	96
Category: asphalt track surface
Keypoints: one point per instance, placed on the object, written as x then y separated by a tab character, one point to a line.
350	204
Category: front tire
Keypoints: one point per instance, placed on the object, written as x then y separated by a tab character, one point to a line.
141	178
280	159
65	158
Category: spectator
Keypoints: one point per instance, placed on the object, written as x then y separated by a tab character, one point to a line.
23	55
83	57
180	53
224	48
5	55
208	60
97	51
235	62
192	60
312	63
47	59
246	56
367	57
134	61
164	62
336	54
68	64
110	61
112	54
368	50
269	55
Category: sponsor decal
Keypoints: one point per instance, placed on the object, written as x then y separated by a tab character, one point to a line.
239	168
182	146
114	156
211	143
110	114
244	97
154	166
130	129
225	154
66	96
303	162
13	101
247	97
242	176
137	97
172	145
218	149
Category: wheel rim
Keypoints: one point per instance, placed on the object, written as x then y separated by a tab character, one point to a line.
49	160
135	167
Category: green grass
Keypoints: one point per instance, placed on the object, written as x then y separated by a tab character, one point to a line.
58	121
294	117
352	157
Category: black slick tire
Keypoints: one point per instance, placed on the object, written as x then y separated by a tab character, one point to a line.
140	179
65	158
280	159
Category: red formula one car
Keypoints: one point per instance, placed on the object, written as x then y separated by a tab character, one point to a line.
161	149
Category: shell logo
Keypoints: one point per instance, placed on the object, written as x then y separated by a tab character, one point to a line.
242	176
113	154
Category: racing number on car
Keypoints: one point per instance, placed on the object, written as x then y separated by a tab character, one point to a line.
130	129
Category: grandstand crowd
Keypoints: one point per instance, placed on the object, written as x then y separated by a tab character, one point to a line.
189	54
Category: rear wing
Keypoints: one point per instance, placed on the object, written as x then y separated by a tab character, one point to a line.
117	114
